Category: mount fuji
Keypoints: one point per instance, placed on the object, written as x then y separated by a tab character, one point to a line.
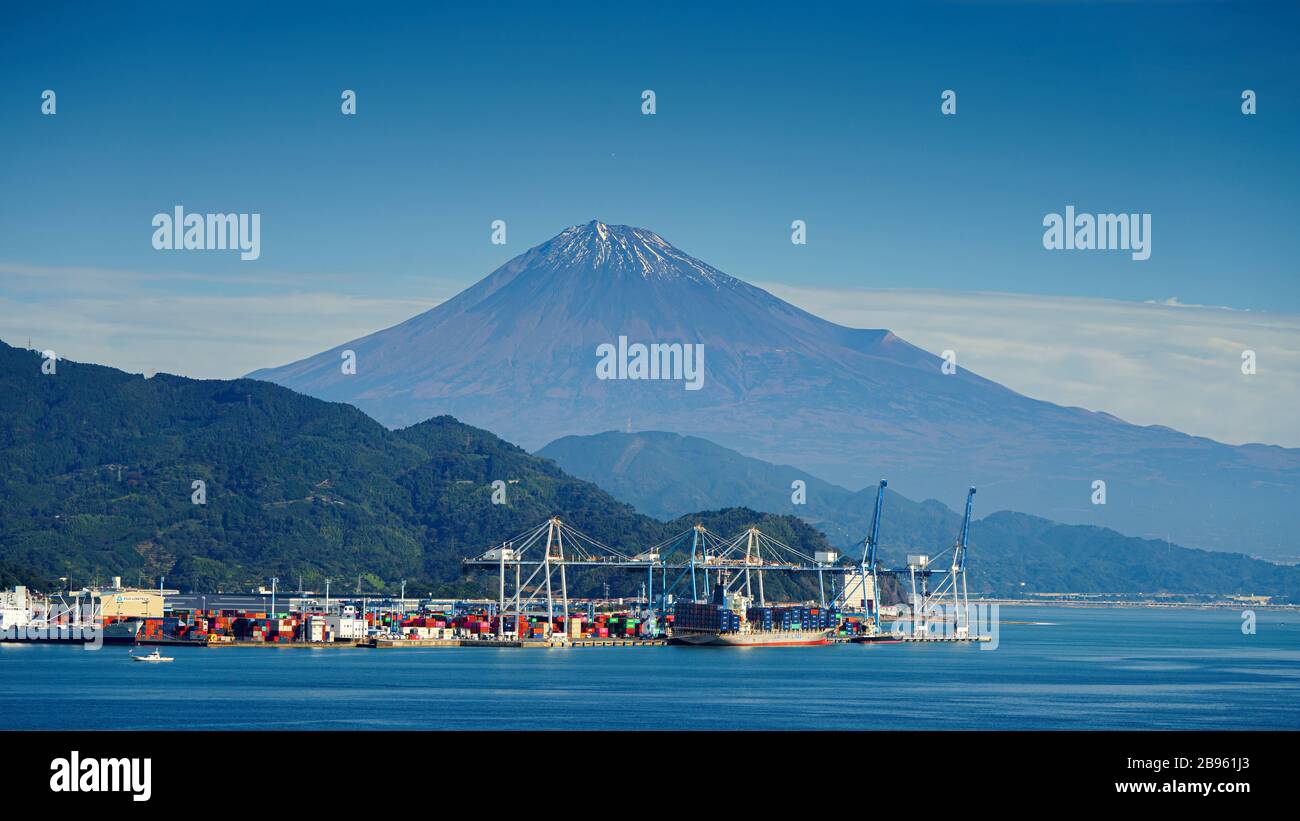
517	353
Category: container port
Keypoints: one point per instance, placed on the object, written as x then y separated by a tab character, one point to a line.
711	592
169	620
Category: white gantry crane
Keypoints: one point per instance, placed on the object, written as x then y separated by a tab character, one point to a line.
538	560
926	602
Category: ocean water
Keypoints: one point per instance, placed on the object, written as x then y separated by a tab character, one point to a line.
1073	668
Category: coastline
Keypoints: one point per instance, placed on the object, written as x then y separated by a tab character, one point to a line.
1137	604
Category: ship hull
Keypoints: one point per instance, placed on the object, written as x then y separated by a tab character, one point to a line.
775	638
42	635
882	638
122	632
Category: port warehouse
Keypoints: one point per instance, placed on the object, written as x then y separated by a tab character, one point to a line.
166	617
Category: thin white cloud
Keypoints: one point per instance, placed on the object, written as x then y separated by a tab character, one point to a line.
1153	363
83	278
210	337
203	325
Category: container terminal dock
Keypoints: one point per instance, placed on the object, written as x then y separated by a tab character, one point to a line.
710	593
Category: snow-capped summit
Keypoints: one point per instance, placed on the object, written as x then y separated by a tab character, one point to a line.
624	249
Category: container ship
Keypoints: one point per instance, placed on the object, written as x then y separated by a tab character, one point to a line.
729	620
126	631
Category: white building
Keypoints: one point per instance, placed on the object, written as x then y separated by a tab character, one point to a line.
15	608
346	628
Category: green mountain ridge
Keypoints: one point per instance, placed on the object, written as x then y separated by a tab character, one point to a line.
664	473
99	466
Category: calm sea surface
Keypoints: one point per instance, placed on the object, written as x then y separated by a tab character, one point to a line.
1074	668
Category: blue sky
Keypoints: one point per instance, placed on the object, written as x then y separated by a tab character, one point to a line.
531	113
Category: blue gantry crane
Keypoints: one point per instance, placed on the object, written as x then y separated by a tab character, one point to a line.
869	563
961	608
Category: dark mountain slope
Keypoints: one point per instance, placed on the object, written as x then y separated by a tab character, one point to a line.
98	466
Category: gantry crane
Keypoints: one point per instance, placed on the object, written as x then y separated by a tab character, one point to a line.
869	563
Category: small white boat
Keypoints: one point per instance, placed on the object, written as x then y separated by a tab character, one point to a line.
155	656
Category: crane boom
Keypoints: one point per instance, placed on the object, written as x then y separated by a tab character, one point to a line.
965	527
869	553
